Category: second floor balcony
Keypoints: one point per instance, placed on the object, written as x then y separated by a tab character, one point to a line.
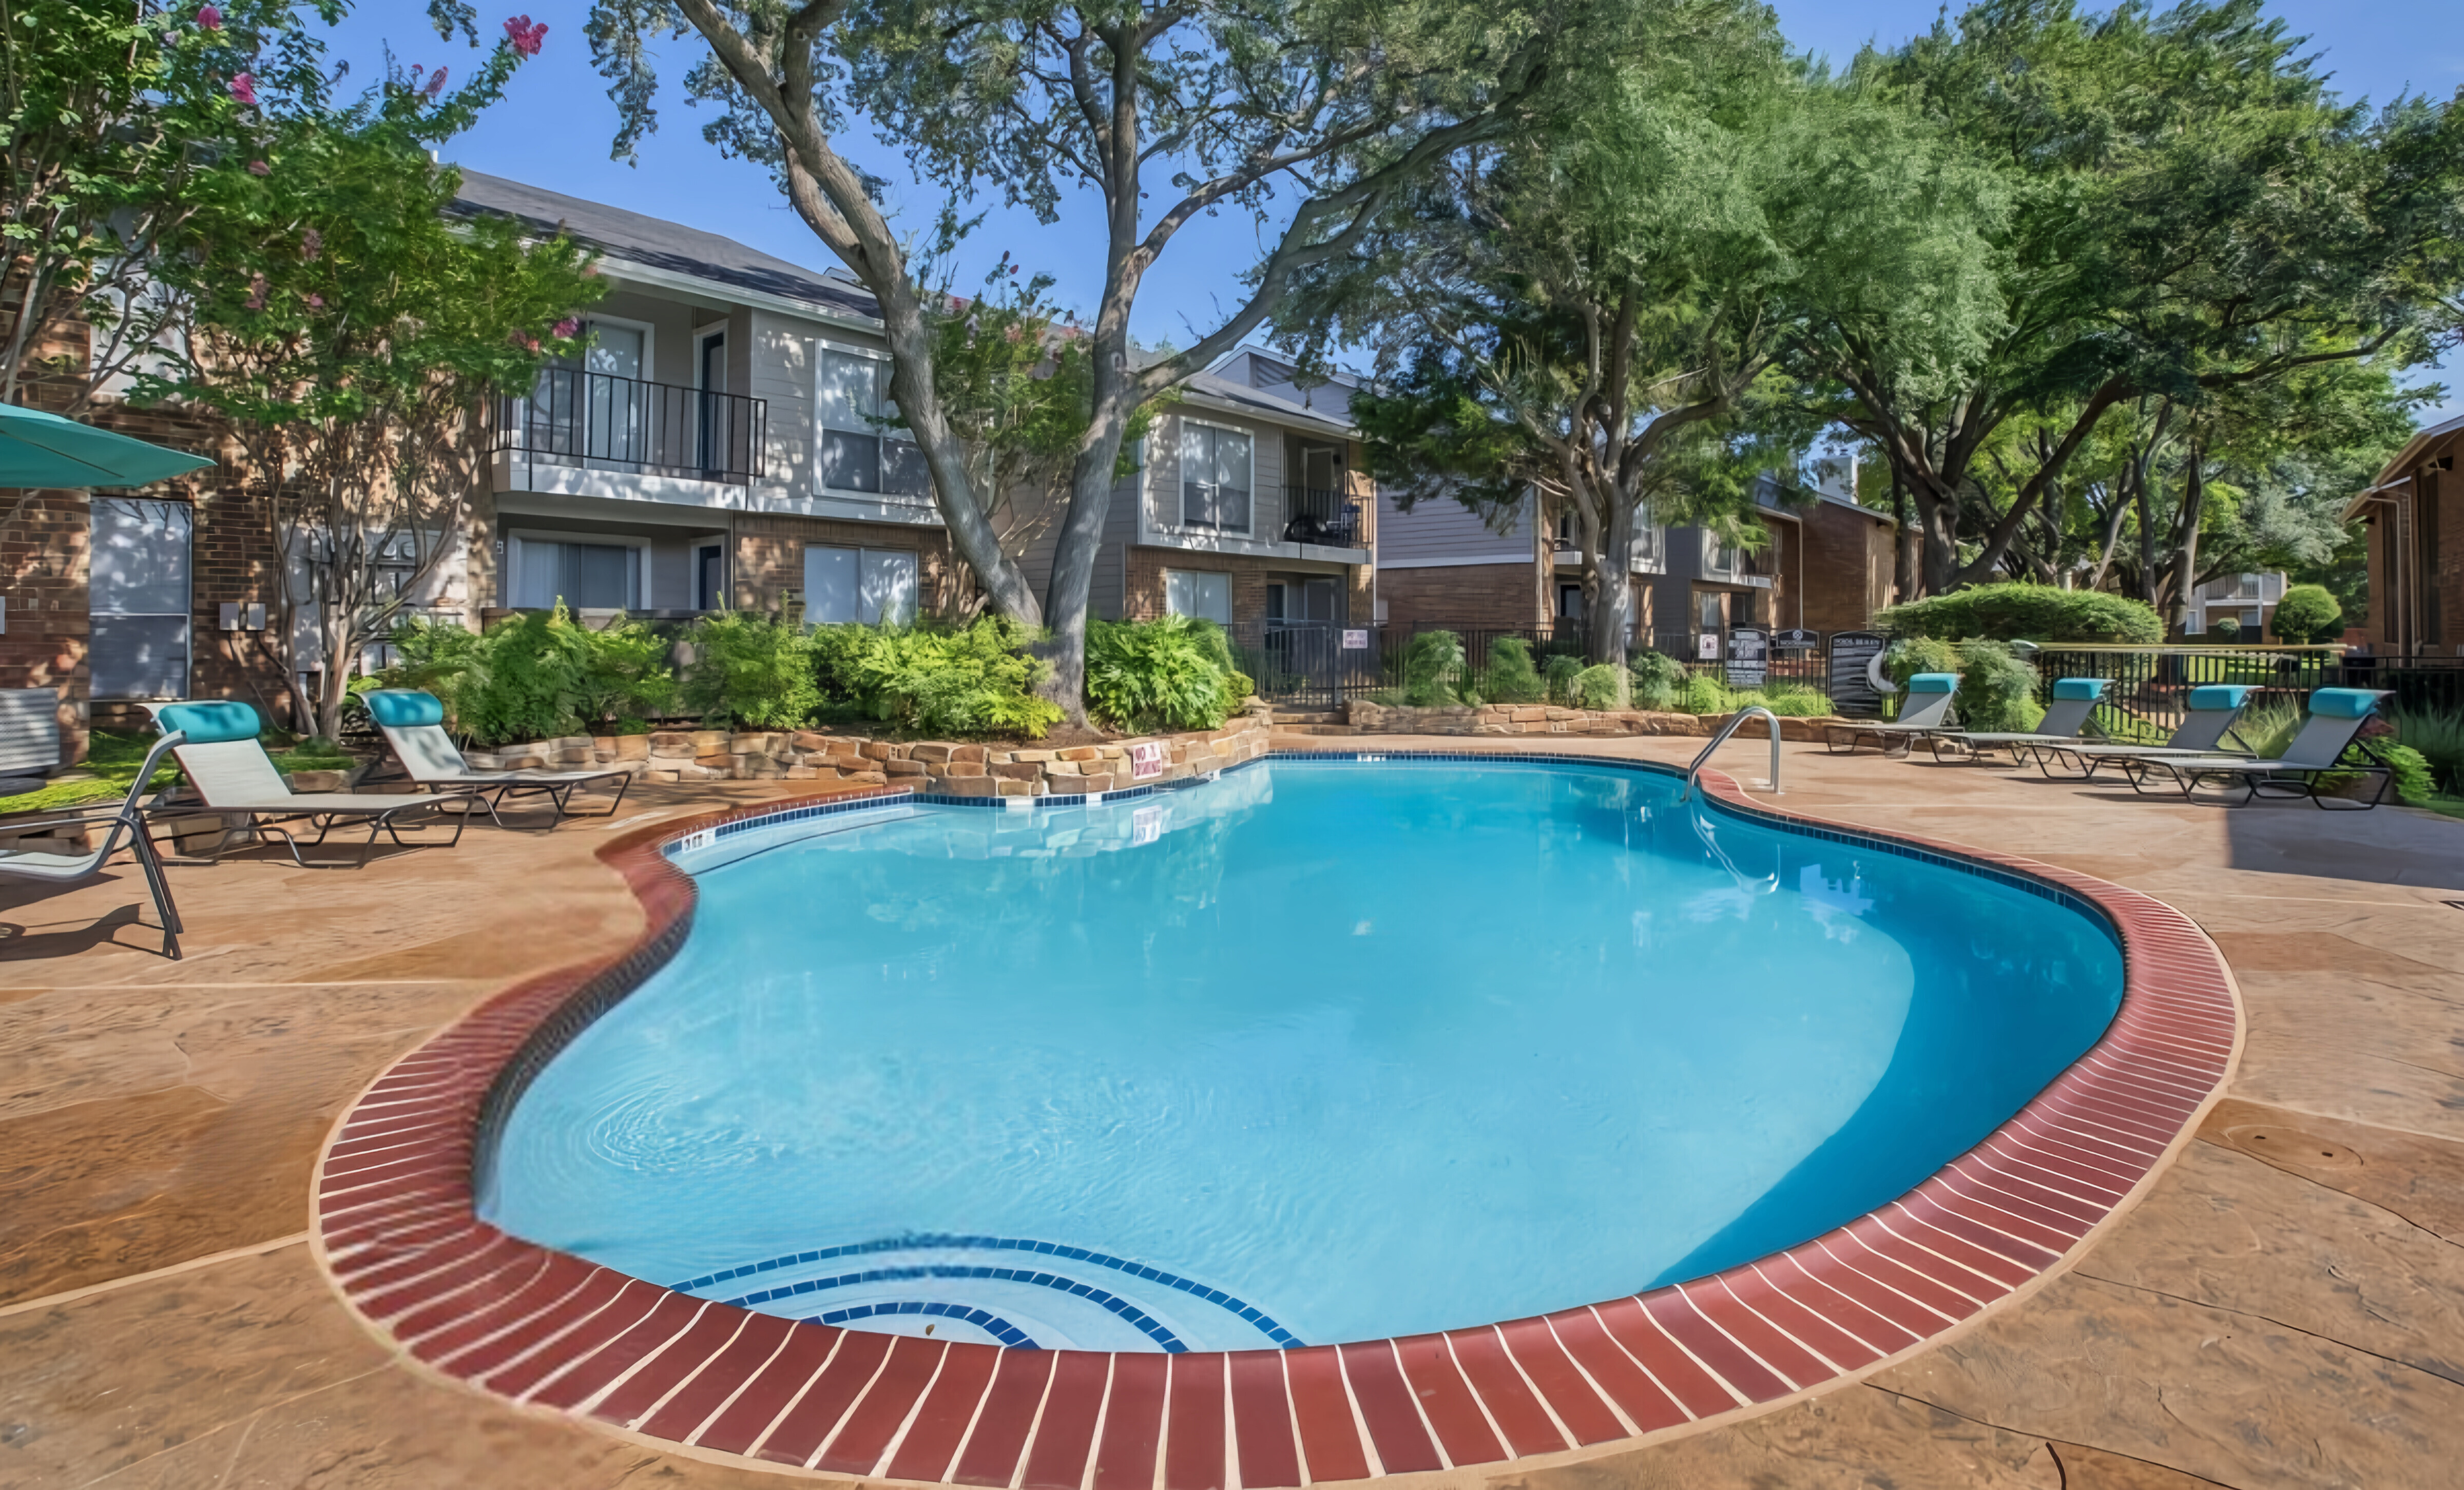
585	422
1329	519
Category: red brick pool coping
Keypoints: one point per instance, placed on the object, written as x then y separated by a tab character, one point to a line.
396	1231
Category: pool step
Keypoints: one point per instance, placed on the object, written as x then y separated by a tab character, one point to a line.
997	1290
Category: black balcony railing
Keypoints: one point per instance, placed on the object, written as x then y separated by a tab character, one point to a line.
650	428
1312	515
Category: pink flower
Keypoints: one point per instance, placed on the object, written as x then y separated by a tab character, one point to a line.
525	341
316	302
526	37
209	18
436	84
312	242
243	87
256	291
259	168
565	327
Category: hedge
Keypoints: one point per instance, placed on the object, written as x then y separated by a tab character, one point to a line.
2017	612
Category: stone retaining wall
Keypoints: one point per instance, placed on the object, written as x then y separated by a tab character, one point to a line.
952	768
1526	719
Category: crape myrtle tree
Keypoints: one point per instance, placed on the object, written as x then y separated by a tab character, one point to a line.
1590	311
2193	210
350	333
1306	114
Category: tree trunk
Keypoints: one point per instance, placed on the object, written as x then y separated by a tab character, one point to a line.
1903	541
2183	572
1611	618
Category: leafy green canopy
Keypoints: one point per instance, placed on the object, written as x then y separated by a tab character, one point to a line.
2014	612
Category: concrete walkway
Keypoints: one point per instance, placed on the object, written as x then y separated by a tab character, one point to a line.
2286	1307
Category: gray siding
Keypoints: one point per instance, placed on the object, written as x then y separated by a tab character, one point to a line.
1444	528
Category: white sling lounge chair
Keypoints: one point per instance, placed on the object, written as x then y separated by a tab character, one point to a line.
232	775
2212	711
413	724
58	868
1924	709
2073	709
2329	738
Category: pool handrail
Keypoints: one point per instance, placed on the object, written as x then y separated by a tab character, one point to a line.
1722	738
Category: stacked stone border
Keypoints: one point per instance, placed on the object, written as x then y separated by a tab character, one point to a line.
396	1231
950	768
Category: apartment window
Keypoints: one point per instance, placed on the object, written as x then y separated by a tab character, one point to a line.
1569	603
2194	622
1724	557
1215	466
857	453
138	598
2250	619
602	575
1200	593
874	585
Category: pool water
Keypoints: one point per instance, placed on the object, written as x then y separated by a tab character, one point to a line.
1319	1051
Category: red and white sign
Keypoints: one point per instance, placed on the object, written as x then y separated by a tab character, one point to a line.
1146	759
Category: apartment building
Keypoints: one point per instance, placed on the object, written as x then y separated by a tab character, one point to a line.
2416	572
1825	565
2248	599
1249	506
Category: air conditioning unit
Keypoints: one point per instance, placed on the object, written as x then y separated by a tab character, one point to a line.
29	732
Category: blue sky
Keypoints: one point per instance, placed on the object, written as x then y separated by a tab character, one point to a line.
554	128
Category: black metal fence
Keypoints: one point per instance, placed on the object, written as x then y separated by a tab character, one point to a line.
591	418
1315	515
2421	685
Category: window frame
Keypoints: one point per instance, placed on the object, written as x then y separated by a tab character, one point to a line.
1224	574
823	347
1180	509
516	538
862	552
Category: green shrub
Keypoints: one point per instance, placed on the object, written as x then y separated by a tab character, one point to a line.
977	680
2439	739
1702	695
536	676
2413	778
1561	672
1598	688
1657	678
2309	613
1791	699
2224	631
1997	691
1432	665
1511	678
2268	729
2015	612
1909	656
750	672
1172	673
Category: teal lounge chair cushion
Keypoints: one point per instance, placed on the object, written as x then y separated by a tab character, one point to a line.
1935	683
209	723
2219	695
404	709
2344	703
2080	687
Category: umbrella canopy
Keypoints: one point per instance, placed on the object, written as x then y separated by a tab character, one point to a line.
40	450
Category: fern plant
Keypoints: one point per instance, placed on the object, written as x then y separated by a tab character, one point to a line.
1433	663
1171	674
1511	678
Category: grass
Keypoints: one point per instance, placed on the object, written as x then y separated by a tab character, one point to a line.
113	758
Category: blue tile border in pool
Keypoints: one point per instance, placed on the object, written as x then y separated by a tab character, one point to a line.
993	1324
1282	1338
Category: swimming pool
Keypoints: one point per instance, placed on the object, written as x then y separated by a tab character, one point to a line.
1320	1051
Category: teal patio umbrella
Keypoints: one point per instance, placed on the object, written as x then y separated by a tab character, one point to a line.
40	450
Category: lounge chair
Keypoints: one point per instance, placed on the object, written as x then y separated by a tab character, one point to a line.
2073	709
2332	732
1924	709
56	868
413	725
231	773
2212	711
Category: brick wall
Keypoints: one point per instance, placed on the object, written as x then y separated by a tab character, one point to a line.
1468	595
770	557
1142	594
1847	568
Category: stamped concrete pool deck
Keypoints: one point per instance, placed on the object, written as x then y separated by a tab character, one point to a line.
2285	1306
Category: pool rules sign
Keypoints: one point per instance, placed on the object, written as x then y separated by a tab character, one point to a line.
1852	691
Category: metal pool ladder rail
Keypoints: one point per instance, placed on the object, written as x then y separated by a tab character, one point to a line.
1722	738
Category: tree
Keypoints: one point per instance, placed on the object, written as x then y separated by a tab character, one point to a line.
2308	613
351	335
1586	311
2192	212
1249	104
